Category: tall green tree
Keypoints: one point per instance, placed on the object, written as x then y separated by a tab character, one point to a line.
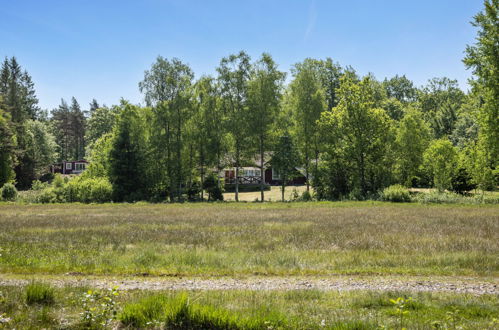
264	95
284	161
400	88
208	126
127	156
20	101
441	160
308	102
233	76
78	126
412	139
41	148
100	122
7	148
483	59
62	126
362	133
167	88
440	102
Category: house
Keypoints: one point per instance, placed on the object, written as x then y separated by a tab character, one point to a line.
69	167
251	174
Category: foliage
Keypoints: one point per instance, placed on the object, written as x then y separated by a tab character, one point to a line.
8	192
396	193
91	190
100	308
39	293
213	188
412	139
7	147
41	147
482	59
284	161
359	136
441	160
264	93
126	157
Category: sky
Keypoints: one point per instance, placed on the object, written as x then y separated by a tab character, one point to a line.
101	48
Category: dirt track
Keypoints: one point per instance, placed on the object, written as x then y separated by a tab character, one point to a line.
471	286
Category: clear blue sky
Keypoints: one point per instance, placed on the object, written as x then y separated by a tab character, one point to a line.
100	49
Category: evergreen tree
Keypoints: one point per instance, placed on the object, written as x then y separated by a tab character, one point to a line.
7	148
77	126
126	157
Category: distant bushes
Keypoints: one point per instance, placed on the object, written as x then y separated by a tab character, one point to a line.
396	193
8	192
63	190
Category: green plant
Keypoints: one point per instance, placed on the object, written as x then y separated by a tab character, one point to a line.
39	293
401	305
8	192
146	312
99	308
396	193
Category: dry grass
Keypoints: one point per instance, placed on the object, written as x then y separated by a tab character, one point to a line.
247	239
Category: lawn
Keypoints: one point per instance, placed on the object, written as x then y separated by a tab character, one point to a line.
249	239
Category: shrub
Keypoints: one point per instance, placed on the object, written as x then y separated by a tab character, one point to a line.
461	182
39	293
91	190
212	187
39	185
8	192
396	193
47	195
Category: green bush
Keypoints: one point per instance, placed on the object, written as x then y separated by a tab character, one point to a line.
8	192
91	190
39	293
396	193
47	195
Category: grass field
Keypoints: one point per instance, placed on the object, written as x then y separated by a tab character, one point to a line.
351	240
250	239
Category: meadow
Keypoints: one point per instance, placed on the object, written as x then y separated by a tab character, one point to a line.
248	239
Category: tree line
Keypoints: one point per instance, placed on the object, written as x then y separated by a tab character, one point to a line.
352	135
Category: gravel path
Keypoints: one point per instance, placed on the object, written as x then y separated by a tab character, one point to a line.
277	283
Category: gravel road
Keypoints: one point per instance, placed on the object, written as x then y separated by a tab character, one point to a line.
471	286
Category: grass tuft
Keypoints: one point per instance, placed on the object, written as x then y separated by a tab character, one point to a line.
40	293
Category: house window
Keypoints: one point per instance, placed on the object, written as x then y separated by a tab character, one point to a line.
80	166
69	166
275	175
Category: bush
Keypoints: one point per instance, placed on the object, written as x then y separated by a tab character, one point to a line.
93	190
214	191
39	293
461	182
47	195
8	192
396	193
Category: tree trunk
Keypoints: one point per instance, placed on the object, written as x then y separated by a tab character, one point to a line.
262	176
306	170
237	173
282	190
